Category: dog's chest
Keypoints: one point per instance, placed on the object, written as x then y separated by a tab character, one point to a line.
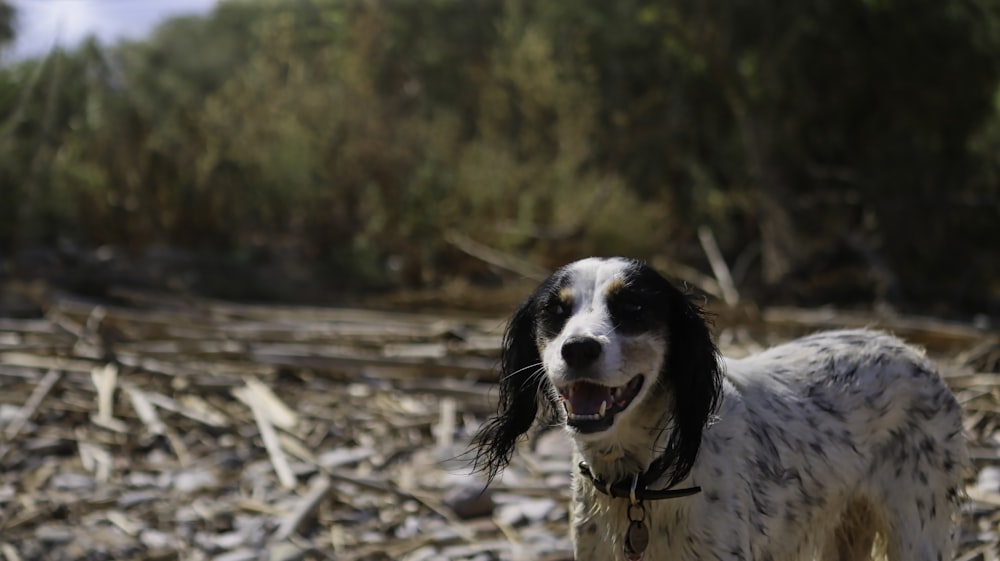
604	529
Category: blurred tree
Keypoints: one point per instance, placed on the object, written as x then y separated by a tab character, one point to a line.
820	123
7	21
361	136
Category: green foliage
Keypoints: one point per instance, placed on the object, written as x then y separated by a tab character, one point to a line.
360	134
7	19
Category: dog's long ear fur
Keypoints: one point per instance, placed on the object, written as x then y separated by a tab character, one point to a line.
521	380
695	374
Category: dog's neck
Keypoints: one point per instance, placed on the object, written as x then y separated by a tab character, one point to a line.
624	453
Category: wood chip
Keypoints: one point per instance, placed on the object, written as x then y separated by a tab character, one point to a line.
96	459
258	406
319	488
9	552
43	388
192	407
279	414
144	408
106	381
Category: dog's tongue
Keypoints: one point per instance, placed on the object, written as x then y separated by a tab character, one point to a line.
586	398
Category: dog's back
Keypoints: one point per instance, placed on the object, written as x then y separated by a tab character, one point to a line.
846	432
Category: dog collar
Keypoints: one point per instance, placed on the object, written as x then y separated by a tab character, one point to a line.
636	488
636	536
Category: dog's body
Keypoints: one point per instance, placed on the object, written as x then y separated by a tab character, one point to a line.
806	451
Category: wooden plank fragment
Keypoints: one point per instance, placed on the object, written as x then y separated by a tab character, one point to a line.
190	406
106	381
278	459
30	406
9	552
319	489
145	410
279	414
95	459
43	362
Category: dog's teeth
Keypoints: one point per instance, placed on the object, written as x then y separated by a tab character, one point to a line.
616	397
604	407
569	408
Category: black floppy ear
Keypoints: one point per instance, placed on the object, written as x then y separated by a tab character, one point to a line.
521	380
693	370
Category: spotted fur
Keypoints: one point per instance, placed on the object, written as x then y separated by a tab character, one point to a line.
834	447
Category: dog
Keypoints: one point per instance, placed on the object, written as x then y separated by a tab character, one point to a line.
839	446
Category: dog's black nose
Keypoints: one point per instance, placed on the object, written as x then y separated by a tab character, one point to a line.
579	352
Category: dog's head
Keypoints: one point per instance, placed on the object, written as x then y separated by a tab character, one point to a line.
617	353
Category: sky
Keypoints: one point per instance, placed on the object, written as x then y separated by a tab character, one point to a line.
45	23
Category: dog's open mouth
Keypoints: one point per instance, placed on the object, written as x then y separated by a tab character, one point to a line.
591	407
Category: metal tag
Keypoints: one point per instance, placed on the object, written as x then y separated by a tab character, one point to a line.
636	540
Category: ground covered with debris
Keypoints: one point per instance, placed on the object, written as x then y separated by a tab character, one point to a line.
149	427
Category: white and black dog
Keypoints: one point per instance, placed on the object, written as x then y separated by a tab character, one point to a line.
834	447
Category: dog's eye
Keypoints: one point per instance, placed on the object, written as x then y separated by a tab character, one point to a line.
627	306
557	308
553	316
631	313
630	307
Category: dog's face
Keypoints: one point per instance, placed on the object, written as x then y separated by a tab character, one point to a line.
617	352
602	339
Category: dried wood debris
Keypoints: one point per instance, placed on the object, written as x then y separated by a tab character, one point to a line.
160	428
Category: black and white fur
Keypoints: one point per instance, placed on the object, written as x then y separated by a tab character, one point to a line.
834	447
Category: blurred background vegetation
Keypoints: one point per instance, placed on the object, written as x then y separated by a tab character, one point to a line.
844	152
